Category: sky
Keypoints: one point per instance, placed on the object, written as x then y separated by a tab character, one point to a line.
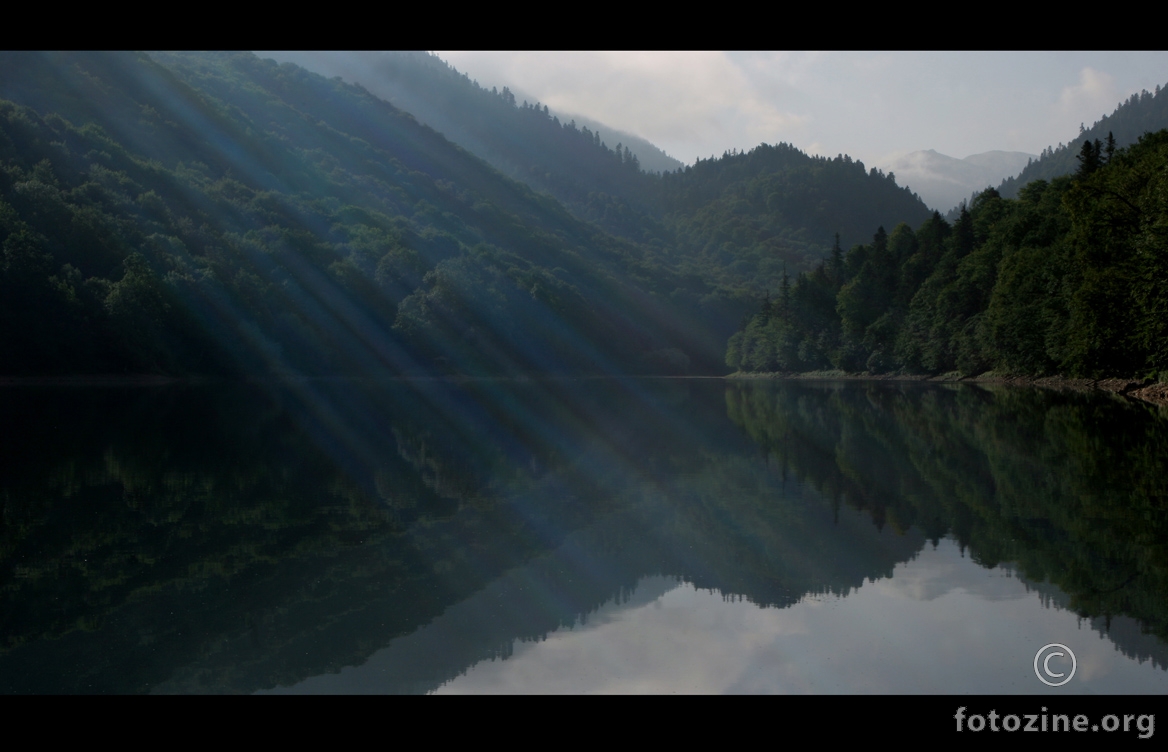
875	106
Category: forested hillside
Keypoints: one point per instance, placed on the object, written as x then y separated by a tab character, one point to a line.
1069	278
223	214
748	214
465	111
521	139
801	202
1142	113
274	220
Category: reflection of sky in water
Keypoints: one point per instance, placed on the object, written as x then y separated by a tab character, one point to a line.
942	624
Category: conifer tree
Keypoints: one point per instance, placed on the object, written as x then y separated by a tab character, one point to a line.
1088	158
836	267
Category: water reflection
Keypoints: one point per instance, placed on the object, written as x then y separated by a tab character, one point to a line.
411	536
939	624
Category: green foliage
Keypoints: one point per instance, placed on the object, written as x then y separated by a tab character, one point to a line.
280	221
1115	310
221	230
1067	278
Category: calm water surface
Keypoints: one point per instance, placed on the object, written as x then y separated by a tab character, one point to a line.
580	536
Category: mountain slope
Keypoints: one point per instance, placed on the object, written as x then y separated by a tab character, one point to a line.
449	102
228	213
605	182
524	141
218	213
1142	113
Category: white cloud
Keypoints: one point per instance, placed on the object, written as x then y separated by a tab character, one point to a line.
1095	95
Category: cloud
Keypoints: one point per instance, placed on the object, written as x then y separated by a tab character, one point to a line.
1095	95
679	100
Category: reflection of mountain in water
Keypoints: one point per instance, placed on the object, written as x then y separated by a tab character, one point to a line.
1069	488
225	539
1128	635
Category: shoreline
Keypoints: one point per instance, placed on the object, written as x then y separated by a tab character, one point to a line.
1147	390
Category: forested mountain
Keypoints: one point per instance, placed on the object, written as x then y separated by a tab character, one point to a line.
1142	113
258	217
749	213
451	103
521	139
217	213
1069	278
604	182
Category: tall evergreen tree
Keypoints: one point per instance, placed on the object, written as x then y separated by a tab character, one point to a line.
836	265
1089	159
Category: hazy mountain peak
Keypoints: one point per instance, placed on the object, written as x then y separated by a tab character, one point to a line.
943	181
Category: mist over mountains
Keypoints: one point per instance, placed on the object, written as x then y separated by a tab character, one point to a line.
943	182
410	81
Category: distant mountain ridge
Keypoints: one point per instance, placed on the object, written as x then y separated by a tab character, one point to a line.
942	181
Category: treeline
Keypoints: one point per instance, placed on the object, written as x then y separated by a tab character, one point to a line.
1069	278
1145	112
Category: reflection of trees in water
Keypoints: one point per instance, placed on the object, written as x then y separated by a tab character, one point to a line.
448	480
111	497
1070	487
227	539
174	519
238	533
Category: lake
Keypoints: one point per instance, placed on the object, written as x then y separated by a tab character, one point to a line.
581	536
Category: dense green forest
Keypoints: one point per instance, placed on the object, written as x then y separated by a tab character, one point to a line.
217	213
776	205
180	230
1069	278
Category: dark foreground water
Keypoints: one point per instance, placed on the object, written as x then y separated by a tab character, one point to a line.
580	536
